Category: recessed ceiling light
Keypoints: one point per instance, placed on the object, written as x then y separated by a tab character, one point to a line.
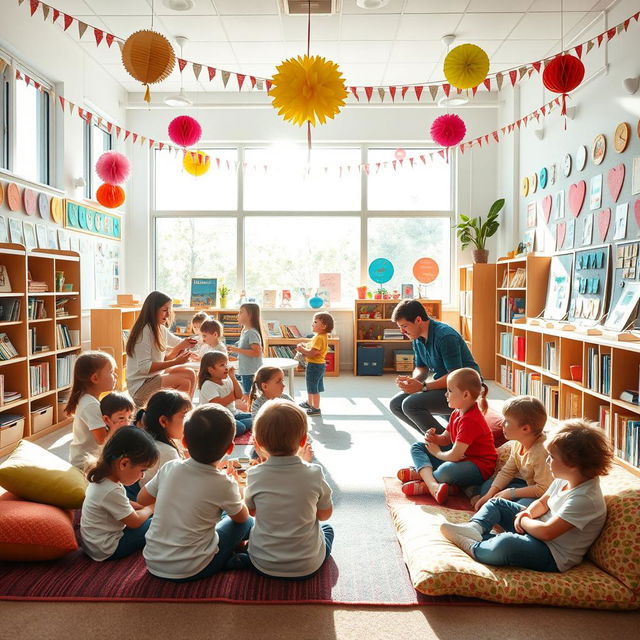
372	4
178	5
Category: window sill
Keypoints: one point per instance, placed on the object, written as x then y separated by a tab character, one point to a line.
9	175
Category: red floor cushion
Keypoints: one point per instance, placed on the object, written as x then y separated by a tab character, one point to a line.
495	420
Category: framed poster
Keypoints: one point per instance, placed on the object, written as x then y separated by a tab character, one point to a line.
590	285
407	292
269	298
620	224
595	192
622	315
331	282
559	287
204	292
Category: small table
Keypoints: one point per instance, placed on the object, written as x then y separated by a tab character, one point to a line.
288	365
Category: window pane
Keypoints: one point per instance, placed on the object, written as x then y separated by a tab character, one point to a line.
30	138
405	240
425	187
287	185
291	252
100	142
194	248
216	190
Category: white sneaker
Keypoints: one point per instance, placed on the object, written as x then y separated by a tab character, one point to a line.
469	530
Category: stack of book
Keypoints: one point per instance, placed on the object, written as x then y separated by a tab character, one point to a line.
519	348
34	347
66	337
598	371
506	376
7	350
392	334
506	344
64	370
630	396
7	396
10	310
35	309
518	278
551	399
550	358
35	286
511	308
626	438
231	326
39	378
61	311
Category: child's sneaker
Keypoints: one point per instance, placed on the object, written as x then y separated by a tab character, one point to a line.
407	474
312	411
461	541
414	488
469	529
305	405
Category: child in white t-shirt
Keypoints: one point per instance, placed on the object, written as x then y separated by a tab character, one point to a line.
555	532
218	384
211	338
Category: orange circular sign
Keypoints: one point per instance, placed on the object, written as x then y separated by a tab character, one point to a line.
426	270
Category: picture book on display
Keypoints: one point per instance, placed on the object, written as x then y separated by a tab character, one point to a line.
204	292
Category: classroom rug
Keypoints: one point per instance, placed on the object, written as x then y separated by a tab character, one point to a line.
394	497
245	438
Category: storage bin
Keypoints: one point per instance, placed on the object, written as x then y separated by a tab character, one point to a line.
12	431
370	361
330	359
41	419
403	360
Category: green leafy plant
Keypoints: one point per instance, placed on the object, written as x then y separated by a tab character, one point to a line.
381	290
224	291
474	231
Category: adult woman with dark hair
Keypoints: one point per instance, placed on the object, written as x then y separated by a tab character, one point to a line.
155	355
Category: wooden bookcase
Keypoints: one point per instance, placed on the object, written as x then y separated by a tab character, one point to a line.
334	348
41	412
369	330
567	382
478	314
108	330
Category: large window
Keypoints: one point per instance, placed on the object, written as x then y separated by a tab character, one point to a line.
4	119
194	248
31	147
97	140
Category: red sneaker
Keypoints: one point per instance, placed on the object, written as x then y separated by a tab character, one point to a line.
442	493
407	474
414	488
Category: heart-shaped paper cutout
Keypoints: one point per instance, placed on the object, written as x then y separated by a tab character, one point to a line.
636	211
546	207
604	219
615	180
561	232
577	193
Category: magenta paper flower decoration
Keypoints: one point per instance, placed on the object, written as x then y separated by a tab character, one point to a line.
448	130
185	131
113	167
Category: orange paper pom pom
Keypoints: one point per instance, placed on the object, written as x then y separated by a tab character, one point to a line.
110	195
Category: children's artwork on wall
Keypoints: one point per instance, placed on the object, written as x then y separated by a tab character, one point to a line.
204	292
635	176
577	192
620	224
545	241
589	285
63	240
531	215
625	311
544	210
4	232
561	232
286	298
626	269
15	231
570	237
529	241
30	241
41	235
331	282
615	180
52	238
595	192
268	298
559	208
559	287
604	220
407	291
586	237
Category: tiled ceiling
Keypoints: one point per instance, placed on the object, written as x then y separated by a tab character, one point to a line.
396	44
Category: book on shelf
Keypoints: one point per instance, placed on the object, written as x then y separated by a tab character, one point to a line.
273	329
550	357
511	308
10	310
505	279
392	334
35	286
64	369
39	378
551	399
506	344
518	278
61	310
7	350
125	338
604	417
626	437
519	348
506	376
574	404
5	283
36	309
65	337
630	395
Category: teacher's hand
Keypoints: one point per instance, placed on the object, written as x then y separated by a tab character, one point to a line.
182	357
408	385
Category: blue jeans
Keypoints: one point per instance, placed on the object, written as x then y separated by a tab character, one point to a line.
314	377
230	533
418	409
243	422
132	491
245	382
132	540
464	473
516	483
509	549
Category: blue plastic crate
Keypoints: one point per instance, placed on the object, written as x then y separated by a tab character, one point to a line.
370	361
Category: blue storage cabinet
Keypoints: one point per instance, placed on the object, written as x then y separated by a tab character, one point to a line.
370	360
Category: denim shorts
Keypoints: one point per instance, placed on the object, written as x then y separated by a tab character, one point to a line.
245	382
314	375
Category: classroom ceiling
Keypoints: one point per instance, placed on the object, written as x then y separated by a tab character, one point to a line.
399	43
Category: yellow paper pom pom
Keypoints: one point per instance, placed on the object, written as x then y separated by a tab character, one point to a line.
308	88
466	66
197	163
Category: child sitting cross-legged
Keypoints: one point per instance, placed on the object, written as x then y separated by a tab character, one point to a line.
289	498
555	532
464	454
189	538
526	475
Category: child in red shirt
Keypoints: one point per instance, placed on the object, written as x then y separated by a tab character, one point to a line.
464	454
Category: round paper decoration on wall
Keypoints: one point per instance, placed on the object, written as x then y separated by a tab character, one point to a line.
543	178
598	149
466	66
447	130
148	57
116	227
110	195
563	74
82	217
185	131
425	270
113	167
57	210
30	201
533	182
381	270
1	194
566	165
13	196
91	220
581	158
72	214
553	169
98	220
43	206
622	136
524	188
197	163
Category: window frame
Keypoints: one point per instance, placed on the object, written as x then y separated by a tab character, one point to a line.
364	214
88	151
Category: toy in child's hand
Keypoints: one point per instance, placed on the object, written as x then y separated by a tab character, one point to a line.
300	359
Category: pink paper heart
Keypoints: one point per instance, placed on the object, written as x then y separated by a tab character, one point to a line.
577	193
546	207
615	180
604	219
636	211
561	232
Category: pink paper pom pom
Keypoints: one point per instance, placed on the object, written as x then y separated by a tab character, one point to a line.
113	167
185	131
448	130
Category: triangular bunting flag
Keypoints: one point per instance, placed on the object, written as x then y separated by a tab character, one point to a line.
392	91
56	15
366	168
71	107
212	73
487	83
27	79
447	89
461	147
536	65
134	137
109	126
61	98
512	76
381	93
260	84
578	51
160	145
499	80
34	6
636	16
354	90
377	167
151	143
197	68
98	35
45	11
503	129
486	139
182	64
109	38
495	136
626	23
418	91
522	71
268	84
619	28
600	38
81	113
240	77
441	153
479	141
433	90
423	159
474	90
87	116
82	27
368	92
120	45
404	91
68	20
225	78
518	123
393	164
252	79
118	131
99	121
589	45
611	33
525	120
218	163
127	133
18	75
543	108
142	140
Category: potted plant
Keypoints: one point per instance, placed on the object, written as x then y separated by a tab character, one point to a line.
224	292
474	231
380	292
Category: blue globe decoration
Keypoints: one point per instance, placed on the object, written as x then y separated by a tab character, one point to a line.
315	302
381	270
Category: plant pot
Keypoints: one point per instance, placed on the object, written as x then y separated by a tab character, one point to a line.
480	256
386	296
223	303
362	293
377	296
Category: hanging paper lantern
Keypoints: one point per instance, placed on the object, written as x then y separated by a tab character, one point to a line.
563	74
466	66
197	163
308	88
185	131
448	130
400	154
113	167
110	195
148	56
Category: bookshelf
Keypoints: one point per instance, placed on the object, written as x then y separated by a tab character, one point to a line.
574	374
109	331
372	320
478	314
45	346
286	348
